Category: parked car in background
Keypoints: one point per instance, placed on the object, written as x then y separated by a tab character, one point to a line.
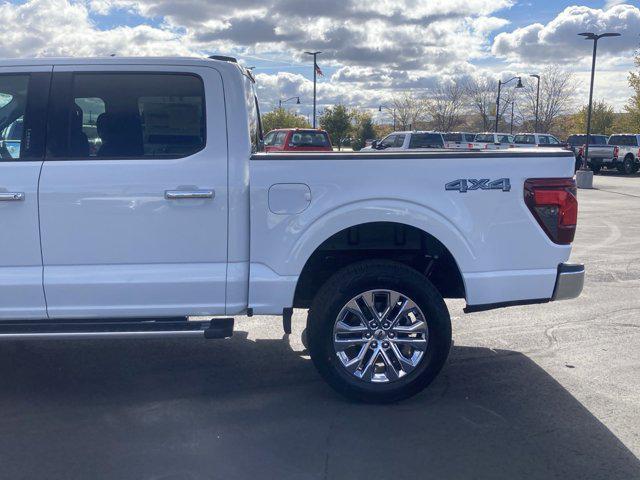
628	159
413	140
297	140
536	140
459	140
577	141
493	141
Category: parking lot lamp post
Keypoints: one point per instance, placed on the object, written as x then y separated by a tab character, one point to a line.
315	81
393	110
513	103
595	38
280	102
535	75
500	83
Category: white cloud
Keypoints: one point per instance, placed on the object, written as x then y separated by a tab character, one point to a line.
558	40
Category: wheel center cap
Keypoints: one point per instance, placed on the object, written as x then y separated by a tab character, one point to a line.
380	334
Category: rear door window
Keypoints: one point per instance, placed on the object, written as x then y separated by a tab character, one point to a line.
399	141
623	140
453	137
127	115
484	138
525	139
544	140
23	107
426	140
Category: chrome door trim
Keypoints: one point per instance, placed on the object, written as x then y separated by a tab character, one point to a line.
11	196
185	194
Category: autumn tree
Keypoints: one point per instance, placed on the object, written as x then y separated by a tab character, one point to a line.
411	110
363	129
446	106
632	108
283	118
336	121
557	88
482	94
602	118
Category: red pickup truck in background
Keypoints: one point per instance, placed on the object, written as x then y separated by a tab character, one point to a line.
297	140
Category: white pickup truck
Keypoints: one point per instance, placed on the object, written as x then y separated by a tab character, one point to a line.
139	202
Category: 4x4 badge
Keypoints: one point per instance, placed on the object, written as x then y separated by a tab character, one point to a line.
464	185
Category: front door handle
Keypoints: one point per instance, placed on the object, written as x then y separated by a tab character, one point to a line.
183	194
11	196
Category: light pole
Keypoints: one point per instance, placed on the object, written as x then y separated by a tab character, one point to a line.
315	80
280	102
500	83
535	75
394	114
513	103
595	38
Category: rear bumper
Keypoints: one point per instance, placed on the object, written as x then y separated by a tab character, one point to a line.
569	282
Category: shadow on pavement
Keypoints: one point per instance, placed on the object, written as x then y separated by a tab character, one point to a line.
236	409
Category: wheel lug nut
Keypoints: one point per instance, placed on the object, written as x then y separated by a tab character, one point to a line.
385	325
374	325
385	344
367	335
374	344
392	335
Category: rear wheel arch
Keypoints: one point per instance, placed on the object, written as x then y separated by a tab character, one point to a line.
399	242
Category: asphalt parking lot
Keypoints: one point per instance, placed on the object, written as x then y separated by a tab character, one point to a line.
544	391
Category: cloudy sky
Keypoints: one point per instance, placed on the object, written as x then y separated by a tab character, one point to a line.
371	49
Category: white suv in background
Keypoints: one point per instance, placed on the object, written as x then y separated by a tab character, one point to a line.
413	140
493	141
536	140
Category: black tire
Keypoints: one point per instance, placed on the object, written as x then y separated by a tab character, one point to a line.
354	280
627	167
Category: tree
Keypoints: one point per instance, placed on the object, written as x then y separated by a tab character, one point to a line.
557	87
632	108
364	130
446	106
482	94
336	121
602	118
282	118
410	110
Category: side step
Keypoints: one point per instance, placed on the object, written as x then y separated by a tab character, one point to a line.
116	328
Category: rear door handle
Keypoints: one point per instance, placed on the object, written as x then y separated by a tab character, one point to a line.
184	194
11	196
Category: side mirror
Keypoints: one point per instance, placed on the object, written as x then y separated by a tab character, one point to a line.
374	144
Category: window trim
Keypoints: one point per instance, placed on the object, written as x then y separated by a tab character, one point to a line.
31	108
67	83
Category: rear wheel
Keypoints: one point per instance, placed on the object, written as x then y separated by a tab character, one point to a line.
379	331
628	166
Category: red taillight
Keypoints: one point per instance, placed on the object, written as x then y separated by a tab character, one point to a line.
616	151
554	204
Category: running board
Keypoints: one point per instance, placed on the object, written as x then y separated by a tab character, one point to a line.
116	328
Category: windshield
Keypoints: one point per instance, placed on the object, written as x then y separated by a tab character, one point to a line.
309	139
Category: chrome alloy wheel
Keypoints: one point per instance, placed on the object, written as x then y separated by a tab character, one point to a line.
380	336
